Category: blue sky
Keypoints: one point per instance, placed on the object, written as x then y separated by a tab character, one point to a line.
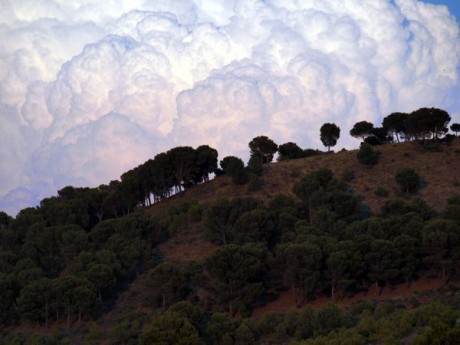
454	6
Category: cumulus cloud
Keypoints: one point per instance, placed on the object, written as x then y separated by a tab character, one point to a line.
90	89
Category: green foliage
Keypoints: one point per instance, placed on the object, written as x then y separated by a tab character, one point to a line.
440	241
221	217
254	226
126	332
255	183
221	329
192	312
300	266
382	192
170	328
170	284
367	155
101	276
452	210
348	175
408	179
236	275
180	217
244	335
255	165
319	190
8	294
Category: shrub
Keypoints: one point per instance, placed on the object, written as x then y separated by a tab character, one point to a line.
408	179
255	183
380	191
348	175
367	155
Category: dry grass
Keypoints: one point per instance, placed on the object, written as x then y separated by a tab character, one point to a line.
439	168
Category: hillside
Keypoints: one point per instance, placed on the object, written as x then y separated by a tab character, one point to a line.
439	169
179	236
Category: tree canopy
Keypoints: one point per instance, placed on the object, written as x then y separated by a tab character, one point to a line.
263	147
361	130
329	134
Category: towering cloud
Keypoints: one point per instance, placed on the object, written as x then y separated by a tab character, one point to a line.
90	89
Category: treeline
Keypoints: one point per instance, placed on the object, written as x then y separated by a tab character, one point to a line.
425	125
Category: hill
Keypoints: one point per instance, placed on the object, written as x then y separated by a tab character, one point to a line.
438	168
143	301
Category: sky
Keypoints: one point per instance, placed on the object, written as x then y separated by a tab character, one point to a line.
92	88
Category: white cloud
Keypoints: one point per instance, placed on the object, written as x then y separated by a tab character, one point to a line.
89	89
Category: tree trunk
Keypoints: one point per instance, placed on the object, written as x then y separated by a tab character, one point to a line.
443	275
230	308
68	313
46	314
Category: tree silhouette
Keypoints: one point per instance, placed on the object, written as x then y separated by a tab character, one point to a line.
367	155
394	124
408	179
330	133
455	127
206	162
427	123
361	130
289	150
263	147
234	167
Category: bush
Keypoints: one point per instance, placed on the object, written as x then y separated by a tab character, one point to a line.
255	165
367	155
408	179
255	183
380	191
348	175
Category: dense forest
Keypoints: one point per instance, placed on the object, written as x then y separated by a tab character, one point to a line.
65	264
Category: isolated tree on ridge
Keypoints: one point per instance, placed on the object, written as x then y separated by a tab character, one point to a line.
330	133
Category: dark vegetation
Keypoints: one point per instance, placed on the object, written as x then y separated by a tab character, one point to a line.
67	265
